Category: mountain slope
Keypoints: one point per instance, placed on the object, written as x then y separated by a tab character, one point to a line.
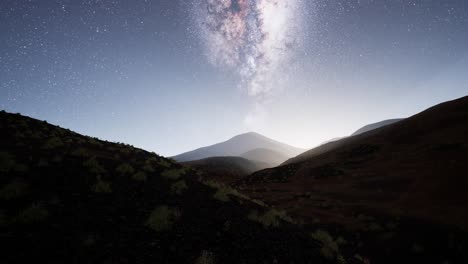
376	125
226	169
68	198
237	146
336	142
415	166
267	156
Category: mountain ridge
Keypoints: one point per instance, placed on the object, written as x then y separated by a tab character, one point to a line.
238	145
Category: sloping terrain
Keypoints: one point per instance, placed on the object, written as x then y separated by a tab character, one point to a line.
376	125
402	184
337	142
226	169
268	156
239	145
68	198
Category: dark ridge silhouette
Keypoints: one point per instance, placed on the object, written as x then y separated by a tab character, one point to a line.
239	145
226	169
336	142
68	198
376	125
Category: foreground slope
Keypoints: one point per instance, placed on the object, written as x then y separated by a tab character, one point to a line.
239	145
67	198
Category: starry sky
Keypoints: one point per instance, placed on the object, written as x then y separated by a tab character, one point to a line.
172	75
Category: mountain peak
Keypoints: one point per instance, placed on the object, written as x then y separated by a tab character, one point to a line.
238	145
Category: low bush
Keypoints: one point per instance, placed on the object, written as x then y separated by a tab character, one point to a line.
140	176
173	174
94	167
35	213
125	169
52	143
14	189
162	218
179	187
330	247
271	218
101	186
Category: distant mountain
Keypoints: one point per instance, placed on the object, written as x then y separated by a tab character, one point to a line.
68	198
266	156
226	169
375	126
239	145
415	169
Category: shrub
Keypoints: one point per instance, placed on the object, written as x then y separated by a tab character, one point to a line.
164	163
173	174
94	142
222	195
101	186
269	219
206	257
35	213
330	248
162	218
52	143
93	166
140	176
179	187
7	162
223	192
80	152
14	189
125	169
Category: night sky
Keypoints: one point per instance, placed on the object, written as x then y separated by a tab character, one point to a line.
170	76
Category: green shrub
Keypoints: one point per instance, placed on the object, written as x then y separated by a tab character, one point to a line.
101	186
7	163
52	143
94	142
140	176
35	213
222	195
14	189
206	257
269	219
93	166
179	187
162	218
80	152
125	169
164	163
330	248
173	174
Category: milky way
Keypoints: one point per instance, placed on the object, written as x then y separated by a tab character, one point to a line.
253	38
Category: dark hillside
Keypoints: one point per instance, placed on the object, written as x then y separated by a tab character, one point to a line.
67	198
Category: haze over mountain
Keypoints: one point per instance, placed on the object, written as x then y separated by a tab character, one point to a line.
241	145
